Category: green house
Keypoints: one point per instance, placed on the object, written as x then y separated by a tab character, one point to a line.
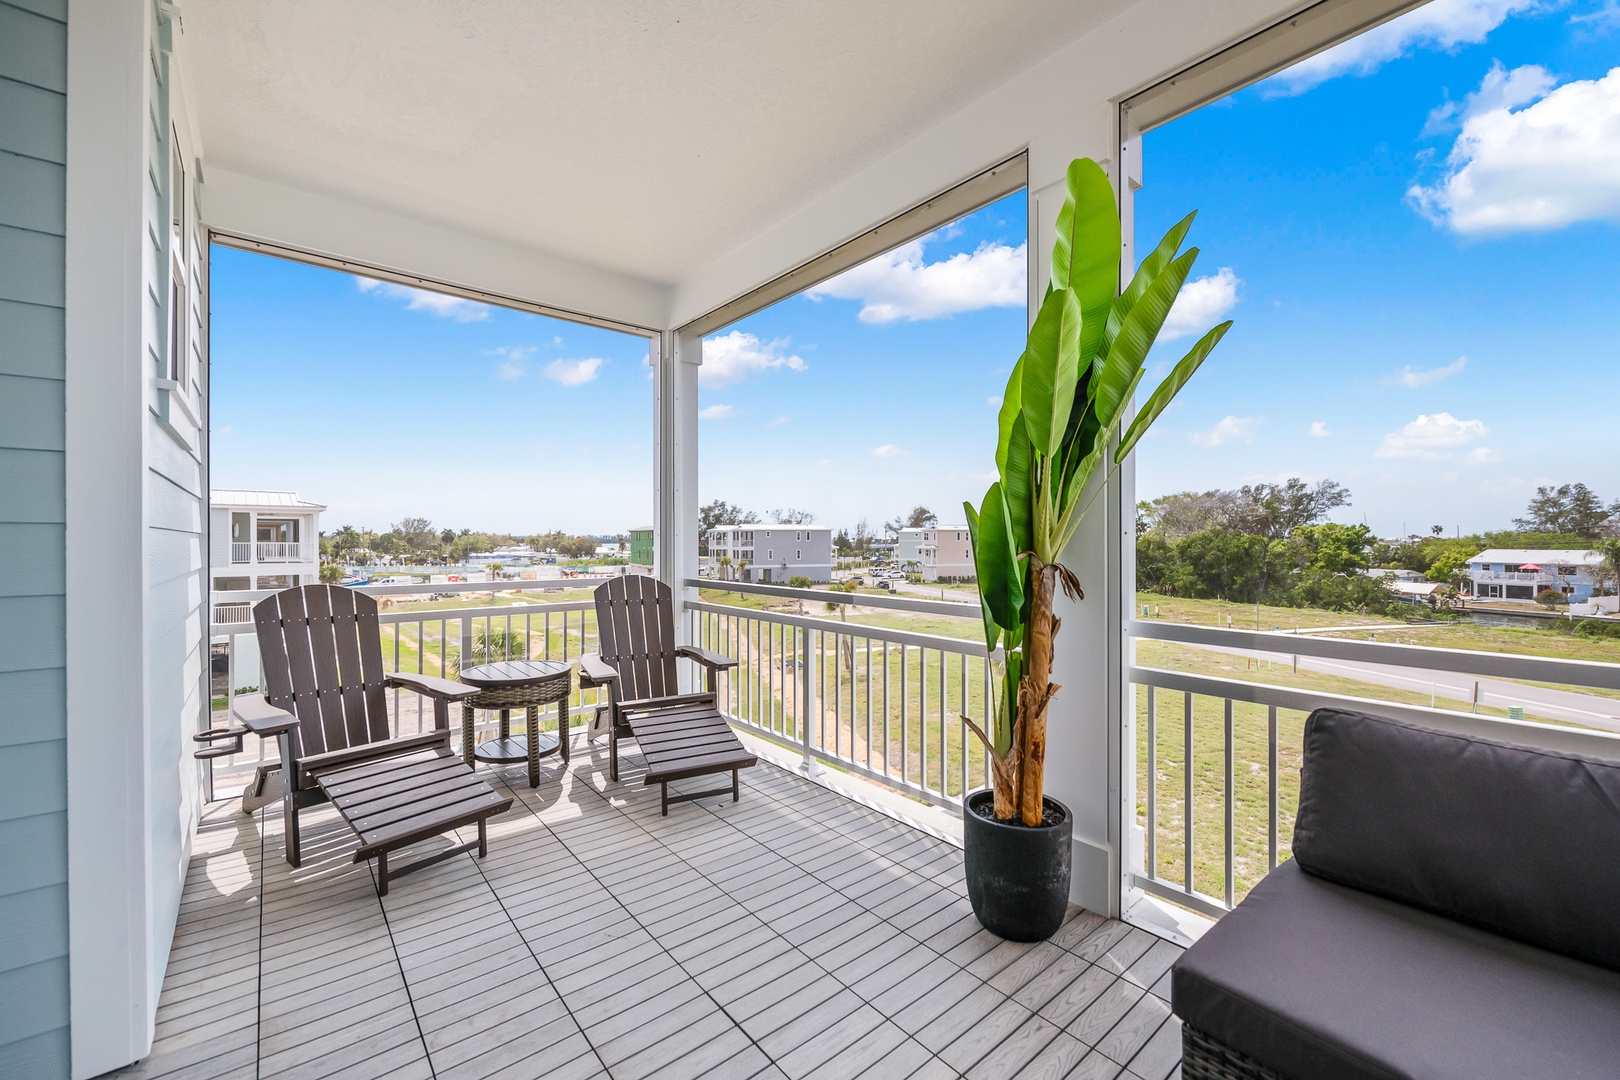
641	546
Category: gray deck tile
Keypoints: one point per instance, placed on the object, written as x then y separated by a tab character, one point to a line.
794	935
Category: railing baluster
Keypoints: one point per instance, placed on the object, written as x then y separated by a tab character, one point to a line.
922	718
1271	787
1152	786
905	720
887	737
1229	838
868	702
1187	797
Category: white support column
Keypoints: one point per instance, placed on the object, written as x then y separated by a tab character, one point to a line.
113	998
675	458
1083	762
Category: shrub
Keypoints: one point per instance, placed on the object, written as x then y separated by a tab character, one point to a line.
1551	598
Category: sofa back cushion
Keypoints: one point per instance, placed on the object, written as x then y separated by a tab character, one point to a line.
1521	842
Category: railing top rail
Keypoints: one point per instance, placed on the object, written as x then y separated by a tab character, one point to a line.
546	585
426	615
1492	665
1573	740
832	596
877	633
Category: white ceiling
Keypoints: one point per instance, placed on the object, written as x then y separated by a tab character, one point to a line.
644	138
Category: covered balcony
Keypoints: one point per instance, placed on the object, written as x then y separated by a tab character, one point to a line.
662	172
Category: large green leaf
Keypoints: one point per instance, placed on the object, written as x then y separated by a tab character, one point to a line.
1141	327
992	632
1150	268
1001	580
1018	486
1012	403
1086	255
1006	706
1169	388
1051	367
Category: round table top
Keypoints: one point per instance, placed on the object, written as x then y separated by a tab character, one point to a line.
512	672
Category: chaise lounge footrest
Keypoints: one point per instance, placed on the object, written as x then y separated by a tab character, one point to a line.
688	740
397	801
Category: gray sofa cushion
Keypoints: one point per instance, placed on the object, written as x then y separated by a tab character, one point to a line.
1320	982
1524	843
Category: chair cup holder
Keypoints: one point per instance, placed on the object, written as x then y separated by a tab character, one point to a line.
230	737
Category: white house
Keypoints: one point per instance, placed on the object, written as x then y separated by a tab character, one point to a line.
1521	573
944	552
772	553
510	555
263	540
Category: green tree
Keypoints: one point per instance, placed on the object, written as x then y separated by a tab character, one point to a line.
1567	508
920	517
331	573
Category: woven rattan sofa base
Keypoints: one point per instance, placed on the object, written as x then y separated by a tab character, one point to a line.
1203	1058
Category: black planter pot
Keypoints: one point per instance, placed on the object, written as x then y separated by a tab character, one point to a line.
1017	877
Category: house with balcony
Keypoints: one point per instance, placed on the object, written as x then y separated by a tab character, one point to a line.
261	540
771	554
662	171
1522	573
942	552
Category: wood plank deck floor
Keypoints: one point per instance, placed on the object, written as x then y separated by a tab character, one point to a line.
794	934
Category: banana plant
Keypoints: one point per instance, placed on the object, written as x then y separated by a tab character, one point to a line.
1058	442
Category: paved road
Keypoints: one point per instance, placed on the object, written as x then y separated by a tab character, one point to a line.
1568	706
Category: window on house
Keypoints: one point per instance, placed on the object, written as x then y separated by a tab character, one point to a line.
769	554
797	555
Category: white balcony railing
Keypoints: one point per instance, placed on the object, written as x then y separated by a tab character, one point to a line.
233	614
1514	577
281	553
1252	731
241	553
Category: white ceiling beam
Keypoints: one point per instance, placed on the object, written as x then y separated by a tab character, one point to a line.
344	231
1087	78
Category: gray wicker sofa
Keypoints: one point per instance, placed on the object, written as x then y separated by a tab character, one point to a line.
1452	910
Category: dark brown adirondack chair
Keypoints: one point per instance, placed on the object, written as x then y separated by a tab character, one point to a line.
324	701
680	735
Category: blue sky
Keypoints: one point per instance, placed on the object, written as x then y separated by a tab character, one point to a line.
384	402
1418	230
1414	233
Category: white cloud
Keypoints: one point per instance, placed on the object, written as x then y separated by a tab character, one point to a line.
1431	437
1417	378
1230	429
446	307
1201	304
574	372
733	357
1544	166
226	430
1319	430
515	360
888	450
1482	455
902	284
778	421
1443	24
715	412
994	401
1500	89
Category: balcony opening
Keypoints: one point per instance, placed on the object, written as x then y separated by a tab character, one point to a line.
837	413
1344	506
477	467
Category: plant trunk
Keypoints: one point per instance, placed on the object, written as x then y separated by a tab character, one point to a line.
1004	781
1037	690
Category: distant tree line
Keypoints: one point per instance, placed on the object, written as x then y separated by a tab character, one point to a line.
1270	543
415	540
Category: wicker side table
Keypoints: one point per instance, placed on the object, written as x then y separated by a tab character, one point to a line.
517	684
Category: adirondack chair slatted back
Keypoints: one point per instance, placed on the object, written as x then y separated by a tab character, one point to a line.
321	652
635	626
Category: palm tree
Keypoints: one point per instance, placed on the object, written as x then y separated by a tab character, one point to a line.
725	567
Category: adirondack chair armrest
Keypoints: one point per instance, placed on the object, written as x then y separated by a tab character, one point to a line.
262	718
431	685
594	671
711	660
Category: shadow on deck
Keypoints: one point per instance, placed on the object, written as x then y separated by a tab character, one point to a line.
794	934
